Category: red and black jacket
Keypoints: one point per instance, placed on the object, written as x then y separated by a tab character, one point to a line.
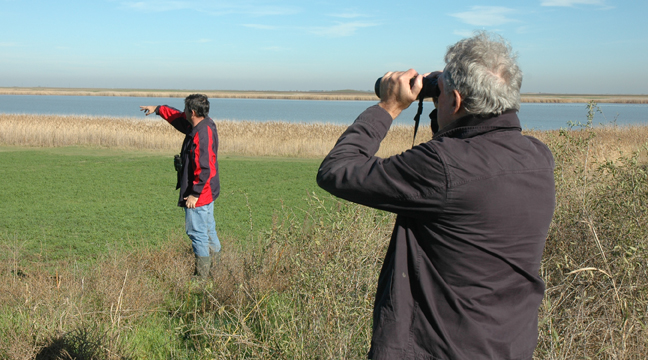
199	173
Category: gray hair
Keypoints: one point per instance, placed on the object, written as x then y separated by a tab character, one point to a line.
483	69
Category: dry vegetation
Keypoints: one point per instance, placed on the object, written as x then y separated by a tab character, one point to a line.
236	137
306	290
264	303
594	263
302	95
287	95
248	137
584	98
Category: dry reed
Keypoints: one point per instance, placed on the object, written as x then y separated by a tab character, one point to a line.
236	137
248	137
351	95
608	142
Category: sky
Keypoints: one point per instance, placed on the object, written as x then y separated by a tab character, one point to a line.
563	46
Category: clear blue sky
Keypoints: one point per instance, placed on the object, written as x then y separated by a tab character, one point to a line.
564	46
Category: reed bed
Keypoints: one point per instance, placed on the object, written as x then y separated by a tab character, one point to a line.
569	98
58	131
284	95
236	137
350	95
607	143
251	138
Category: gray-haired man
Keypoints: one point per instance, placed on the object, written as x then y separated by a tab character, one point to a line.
460	277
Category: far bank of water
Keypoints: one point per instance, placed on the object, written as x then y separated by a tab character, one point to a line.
532	115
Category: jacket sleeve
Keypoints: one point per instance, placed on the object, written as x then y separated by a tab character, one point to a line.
204	159
412	183
175	117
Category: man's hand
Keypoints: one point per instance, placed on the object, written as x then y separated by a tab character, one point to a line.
191	201
148	110
398	90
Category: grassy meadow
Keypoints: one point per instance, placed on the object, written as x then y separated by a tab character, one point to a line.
96	264
77	203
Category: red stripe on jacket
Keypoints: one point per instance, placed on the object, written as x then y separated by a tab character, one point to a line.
204	186
169	114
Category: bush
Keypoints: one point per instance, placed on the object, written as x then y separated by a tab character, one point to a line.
595	257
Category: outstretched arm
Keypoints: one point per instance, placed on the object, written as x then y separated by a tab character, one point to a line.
175	117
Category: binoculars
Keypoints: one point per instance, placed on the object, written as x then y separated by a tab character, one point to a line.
430	87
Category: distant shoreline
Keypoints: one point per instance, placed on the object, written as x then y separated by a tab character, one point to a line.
301	95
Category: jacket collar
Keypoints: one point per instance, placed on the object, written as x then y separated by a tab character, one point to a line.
472	125
202	123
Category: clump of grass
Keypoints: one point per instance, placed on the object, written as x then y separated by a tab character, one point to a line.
81	344
323	271
80	308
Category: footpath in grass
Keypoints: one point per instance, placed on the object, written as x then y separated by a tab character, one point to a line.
75	203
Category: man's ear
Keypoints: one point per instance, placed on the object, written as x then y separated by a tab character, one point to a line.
456	102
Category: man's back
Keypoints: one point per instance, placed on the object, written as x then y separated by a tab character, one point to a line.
460	278
473	262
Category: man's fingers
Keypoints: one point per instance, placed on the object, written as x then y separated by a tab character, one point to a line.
415	81
147	109
408	79
411	73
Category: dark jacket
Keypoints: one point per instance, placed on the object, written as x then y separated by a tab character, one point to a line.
199	173
460	279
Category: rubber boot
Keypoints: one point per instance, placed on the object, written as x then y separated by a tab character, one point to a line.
215	256
203	264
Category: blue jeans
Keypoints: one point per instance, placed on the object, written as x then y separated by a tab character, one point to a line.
201	228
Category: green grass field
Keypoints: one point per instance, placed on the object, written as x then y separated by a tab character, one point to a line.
74	203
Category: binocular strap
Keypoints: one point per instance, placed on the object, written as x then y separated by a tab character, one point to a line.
417	117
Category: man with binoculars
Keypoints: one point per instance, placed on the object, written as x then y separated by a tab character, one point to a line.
460	279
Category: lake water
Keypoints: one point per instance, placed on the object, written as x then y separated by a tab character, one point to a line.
532	116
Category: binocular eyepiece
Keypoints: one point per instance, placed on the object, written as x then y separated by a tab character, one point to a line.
430	87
